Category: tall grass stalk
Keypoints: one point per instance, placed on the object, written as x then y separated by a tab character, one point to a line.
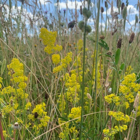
96	64
83	80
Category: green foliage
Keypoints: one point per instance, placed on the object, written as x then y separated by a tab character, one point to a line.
103	44
117	56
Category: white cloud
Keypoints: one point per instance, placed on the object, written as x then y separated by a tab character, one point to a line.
132	22
130	10
26	17
71	4
91	20
115	9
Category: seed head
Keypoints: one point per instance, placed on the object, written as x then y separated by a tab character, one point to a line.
106	4
131	37
119	43
81	9
89	96
102	9
122	6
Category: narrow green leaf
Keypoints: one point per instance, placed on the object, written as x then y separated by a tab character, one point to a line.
121	68
117	56
104	45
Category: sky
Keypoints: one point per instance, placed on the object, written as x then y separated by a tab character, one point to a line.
52	7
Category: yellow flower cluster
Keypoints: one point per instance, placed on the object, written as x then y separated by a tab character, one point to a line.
13	95
67	130
129	87
49	39
16	71
64	63
80	44
128	70
127	93
73	87
56	58
62	103
112	98
75	113
111	132
40	115
119	116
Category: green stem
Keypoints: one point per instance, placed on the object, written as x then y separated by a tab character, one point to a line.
83	81
96	65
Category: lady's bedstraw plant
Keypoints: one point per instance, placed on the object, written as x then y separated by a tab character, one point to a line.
128	90
15	104
14	100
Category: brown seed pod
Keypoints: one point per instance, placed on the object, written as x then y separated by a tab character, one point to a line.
119	43
36	115
132	37
122	6
102	9
81	9
102	37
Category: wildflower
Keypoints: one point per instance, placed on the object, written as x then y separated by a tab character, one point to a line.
28	105
56	58
80	44
75	113
39	114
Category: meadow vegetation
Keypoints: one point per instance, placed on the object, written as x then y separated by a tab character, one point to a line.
76	83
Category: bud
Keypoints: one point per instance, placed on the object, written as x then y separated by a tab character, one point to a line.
131	37
89	96
102	37
136	102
